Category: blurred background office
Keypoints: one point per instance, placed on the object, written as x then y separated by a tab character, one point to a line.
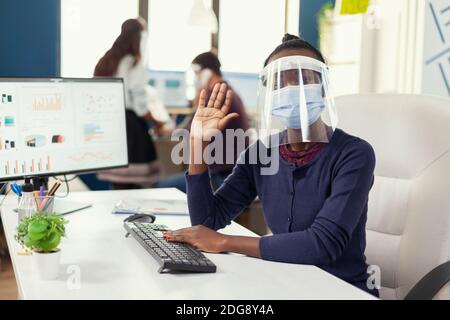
376	46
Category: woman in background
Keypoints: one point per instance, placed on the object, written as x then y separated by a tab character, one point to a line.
125	60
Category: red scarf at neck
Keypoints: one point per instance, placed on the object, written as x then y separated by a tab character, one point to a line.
303	157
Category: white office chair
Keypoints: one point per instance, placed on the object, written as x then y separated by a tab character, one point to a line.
408	227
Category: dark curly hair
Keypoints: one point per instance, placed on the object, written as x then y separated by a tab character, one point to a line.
289	42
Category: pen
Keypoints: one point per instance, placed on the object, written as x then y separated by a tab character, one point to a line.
17	189
50	193
55	187
125	212
38	199
41	192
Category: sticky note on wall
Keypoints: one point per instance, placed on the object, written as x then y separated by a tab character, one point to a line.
354	6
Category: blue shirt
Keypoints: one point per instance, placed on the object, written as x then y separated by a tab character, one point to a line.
317	212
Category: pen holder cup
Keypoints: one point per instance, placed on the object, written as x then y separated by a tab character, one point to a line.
45	203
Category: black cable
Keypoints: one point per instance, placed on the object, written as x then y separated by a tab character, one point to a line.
68	180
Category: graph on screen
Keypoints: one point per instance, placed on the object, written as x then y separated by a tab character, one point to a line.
24	167
99	103
93	132
6	98
53	126
47	103
85	156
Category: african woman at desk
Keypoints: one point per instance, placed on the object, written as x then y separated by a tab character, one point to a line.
315	203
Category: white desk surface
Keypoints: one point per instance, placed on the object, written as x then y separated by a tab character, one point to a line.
114	267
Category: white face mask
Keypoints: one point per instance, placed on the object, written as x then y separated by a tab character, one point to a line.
202	80
286	106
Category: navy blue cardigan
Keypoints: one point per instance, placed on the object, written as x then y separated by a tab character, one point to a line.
317	212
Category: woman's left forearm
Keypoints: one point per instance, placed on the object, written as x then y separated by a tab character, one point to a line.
248	246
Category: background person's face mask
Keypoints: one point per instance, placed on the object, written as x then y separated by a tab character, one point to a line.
286	105
202	79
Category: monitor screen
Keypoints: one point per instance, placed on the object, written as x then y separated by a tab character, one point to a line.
61	126
171	87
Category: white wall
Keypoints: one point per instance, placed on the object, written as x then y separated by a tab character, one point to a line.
391	49
88	30
341	46
172	41
436	49
247	36
388	47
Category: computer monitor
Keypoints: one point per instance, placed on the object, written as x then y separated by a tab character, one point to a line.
171	87
55	126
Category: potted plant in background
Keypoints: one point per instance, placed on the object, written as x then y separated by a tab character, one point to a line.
42	233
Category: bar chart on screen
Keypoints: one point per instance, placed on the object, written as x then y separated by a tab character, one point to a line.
36	141
45	102
31	166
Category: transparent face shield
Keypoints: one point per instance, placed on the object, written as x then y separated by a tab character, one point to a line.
294	102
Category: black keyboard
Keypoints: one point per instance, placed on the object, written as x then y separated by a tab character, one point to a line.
170	255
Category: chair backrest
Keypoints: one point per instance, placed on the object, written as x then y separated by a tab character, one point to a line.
408	227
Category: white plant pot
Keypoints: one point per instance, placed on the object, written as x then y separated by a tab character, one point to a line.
46	265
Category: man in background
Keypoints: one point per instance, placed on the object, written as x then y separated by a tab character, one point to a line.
207	74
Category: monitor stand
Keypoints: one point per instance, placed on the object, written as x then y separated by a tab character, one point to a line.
63	206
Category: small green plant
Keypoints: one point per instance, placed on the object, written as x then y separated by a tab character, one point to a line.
41	232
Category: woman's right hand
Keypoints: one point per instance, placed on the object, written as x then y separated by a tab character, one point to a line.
212	116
